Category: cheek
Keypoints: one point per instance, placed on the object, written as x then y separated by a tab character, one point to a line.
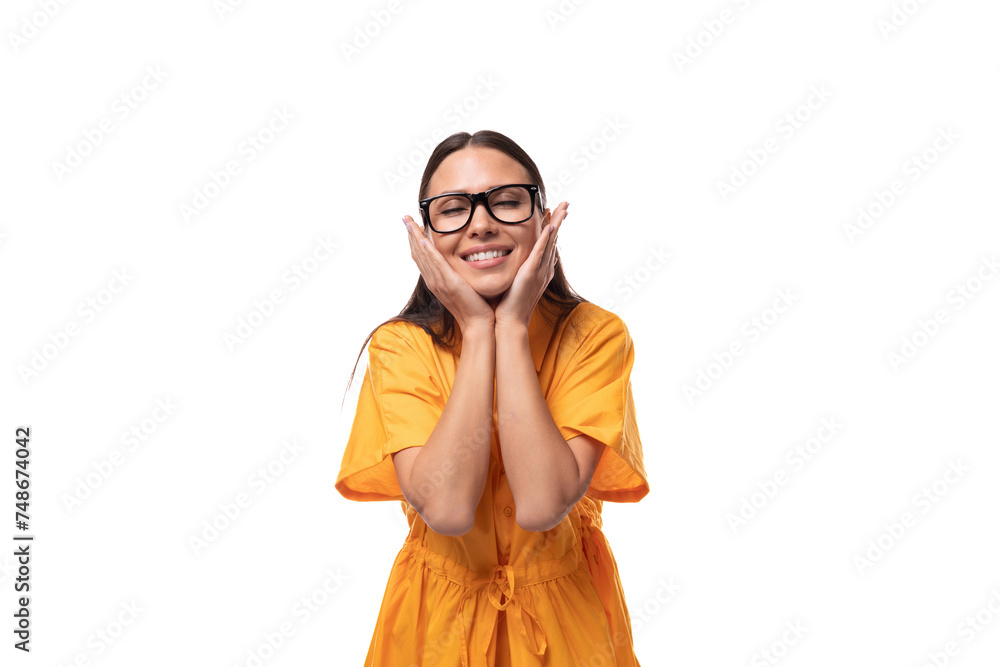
444	247
527	244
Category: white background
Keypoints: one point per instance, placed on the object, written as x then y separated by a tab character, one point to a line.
559	76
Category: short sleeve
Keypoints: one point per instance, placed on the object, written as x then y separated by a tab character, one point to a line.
593	397
399	405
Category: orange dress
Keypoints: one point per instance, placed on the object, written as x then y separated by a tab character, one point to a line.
501	595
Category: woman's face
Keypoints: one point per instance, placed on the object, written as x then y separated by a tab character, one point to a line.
477	169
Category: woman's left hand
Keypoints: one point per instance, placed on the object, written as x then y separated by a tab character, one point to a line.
533	276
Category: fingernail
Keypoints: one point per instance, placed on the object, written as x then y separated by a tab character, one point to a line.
404	222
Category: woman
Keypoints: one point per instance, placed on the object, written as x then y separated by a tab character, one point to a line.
497	408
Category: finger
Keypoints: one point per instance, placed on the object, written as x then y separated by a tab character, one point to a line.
417	250
412	239
539	254
555	222
436	271
539	251
550	257
432	255
560	215
433	273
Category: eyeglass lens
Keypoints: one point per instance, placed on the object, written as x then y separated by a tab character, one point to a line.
511	204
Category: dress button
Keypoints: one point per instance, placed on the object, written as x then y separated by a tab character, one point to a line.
501	470
507	511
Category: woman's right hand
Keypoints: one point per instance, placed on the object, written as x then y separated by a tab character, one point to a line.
454	292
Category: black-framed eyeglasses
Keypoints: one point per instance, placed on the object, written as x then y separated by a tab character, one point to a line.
451	212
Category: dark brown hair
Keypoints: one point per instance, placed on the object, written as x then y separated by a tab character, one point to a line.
424	309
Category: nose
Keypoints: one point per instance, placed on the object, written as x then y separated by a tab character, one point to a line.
482	222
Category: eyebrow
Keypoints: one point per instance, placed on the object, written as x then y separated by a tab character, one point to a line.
448	192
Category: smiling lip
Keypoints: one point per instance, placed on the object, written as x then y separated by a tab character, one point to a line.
487	263
484	248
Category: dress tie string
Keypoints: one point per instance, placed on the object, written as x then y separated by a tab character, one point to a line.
504	595
501	584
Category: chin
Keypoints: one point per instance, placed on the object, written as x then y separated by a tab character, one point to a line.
491	294
495	285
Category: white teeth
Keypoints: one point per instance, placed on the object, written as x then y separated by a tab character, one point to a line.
490	254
